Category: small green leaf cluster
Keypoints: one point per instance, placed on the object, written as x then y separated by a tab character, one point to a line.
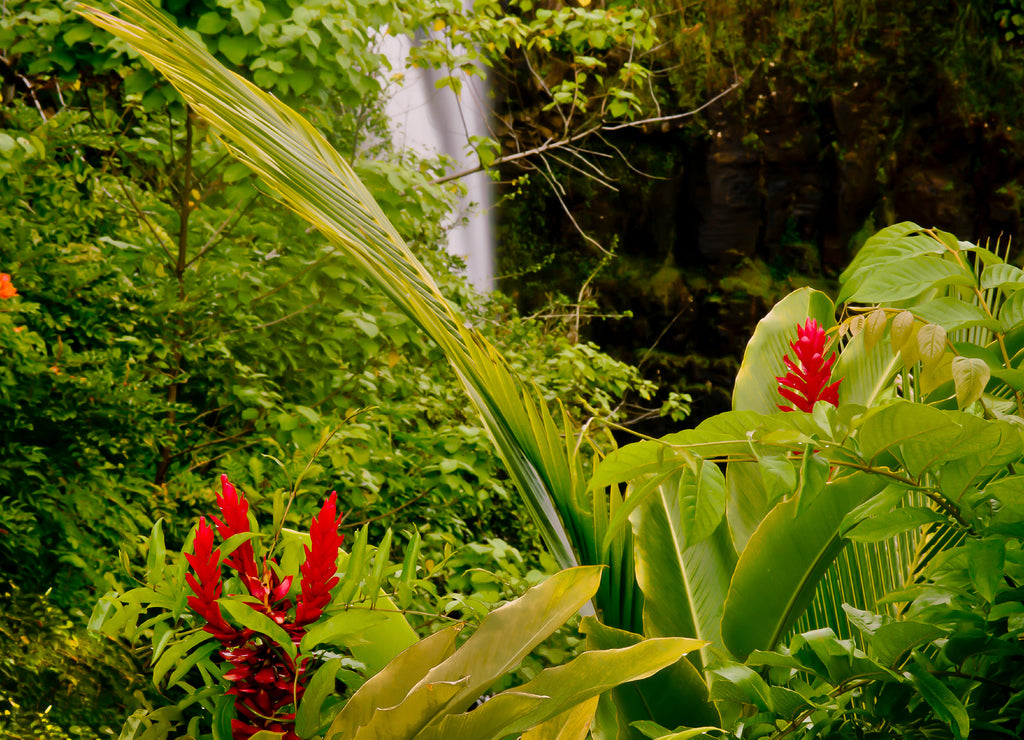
598	53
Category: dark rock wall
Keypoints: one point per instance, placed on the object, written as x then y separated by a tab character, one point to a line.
775	187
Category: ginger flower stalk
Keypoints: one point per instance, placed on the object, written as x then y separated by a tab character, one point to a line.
266	683
321	564
807	381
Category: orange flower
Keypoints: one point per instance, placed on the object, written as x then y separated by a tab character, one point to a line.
7	289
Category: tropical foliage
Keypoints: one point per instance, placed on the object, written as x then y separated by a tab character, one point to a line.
902	460
838	555
161	317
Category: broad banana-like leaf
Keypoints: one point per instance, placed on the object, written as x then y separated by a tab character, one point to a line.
684	582
573	724
559	688
391	685
757	390
425	692
305	173
503	639
779	570
677	695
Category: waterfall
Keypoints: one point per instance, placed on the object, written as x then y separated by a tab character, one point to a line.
435	121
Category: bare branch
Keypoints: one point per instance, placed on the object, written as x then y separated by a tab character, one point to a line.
565	142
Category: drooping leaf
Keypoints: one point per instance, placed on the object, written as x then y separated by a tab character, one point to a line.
943	702
676	695
874	327
931	344
902	328
970	376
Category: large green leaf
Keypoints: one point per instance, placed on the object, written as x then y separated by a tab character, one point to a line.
893	242
954	314
684	583
778	572
573	724
391	685
509	633
908	278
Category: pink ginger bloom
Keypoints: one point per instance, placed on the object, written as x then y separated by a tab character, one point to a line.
807	381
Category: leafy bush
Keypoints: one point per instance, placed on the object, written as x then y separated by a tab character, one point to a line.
739	528
58	681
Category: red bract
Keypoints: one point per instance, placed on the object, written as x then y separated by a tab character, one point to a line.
807	381
321	563
265	681
235	512
206	585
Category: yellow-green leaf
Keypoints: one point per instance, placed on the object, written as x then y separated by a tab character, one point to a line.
931	344
874	327
970	376
902	326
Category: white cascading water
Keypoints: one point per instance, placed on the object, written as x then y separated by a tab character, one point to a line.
435	121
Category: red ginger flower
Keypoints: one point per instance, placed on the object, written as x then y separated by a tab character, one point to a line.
807	382
7	289
235	512
264	679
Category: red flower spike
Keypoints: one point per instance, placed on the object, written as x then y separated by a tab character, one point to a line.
321	563
235	512
807	381
206	585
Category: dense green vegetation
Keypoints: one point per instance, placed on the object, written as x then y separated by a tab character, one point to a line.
173	322
836	555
